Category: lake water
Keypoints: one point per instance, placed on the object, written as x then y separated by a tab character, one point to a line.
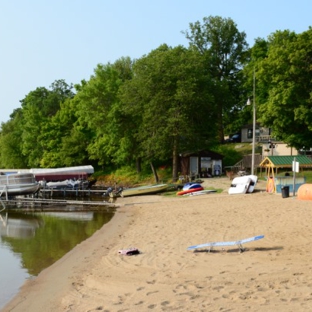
30	242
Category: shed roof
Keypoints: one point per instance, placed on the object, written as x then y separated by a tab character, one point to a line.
285	161
203	153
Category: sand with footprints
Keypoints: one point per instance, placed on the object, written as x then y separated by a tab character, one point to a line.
272	274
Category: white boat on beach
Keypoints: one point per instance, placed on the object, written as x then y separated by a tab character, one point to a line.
254	180
18	184
240	185
243	185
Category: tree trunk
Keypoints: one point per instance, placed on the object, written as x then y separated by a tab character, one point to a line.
138	165
220	124
154	172
175	161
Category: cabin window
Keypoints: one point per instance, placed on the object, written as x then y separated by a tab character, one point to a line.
249	133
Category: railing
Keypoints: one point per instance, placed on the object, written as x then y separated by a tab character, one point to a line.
4	190
262	138
245	163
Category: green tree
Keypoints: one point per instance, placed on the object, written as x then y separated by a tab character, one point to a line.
225	51
65	144
169	101
256	54
285	76
99	113
11	156
38	107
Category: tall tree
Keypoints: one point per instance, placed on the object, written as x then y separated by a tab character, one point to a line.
38	107
250	74
10	142
225	51
98	110
65	144
286	76
169	103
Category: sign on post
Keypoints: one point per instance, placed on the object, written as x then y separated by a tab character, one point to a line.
295	165
295	168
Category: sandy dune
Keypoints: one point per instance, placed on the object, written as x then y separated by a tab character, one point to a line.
273	274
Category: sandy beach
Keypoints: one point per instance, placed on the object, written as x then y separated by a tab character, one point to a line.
273	274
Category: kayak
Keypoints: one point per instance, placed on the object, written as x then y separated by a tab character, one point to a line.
191	190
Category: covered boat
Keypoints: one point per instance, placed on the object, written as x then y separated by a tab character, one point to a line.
60	174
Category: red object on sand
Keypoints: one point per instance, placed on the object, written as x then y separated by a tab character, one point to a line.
191	190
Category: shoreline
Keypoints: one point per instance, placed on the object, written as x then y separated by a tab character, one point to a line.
273	273
59	278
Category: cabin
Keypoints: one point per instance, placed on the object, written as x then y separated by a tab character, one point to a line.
201	164
262	133
264	138
276	148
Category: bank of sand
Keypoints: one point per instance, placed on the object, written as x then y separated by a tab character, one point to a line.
273	274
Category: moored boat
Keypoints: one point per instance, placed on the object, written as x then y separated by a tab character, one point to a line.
66	184
18	184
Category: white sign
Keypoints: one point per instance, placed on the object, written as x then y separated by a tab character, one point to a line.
295	166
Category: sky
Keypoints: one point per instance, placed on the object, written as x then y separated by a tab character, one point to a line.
43	41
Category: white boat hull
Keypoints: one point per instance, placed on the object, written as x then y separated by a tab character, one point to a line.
254	180
18	184
240	185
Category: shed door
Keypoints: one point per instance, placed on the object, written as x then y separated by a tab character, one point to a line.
193	165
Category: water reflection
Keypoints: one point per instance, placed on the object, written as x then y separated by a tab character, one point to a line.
18	227
38	240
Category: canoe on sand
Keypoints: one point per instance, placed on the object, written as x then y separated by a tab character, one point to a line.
144	190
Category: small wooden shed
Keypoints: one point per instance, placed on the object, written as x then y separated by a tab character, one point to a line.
201	164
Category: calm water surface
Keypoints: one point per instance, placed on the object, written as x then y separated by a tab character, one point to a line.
30	242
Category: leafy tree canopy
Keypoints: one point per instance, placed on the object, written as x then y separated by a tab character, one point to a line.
285	79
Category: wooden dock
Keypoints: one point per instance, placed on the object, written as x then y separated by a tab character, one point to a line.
56	204
50	193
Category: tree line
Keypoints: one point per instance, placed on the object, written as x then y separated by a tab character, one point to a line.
174	99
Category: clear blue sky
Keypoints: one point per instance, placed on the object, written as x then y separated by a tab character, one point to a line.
43	41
